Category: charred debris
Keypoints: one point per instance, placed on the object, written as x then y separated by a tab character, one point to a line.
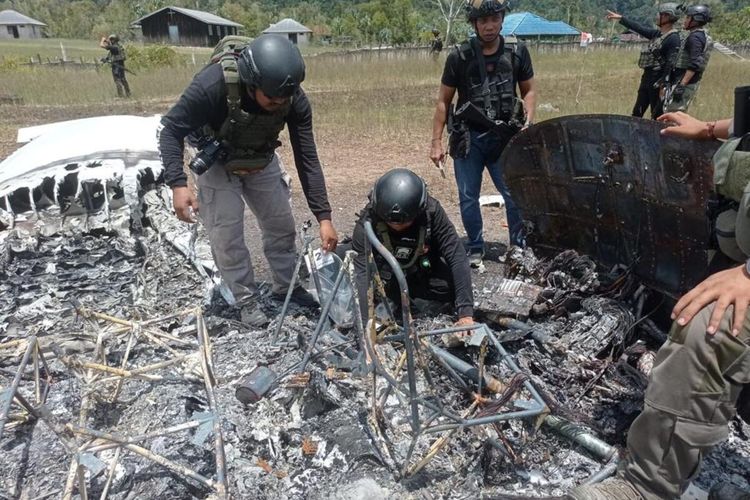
125	373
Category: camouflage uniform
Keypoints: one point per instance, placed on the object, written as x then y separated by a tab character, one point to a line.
116	59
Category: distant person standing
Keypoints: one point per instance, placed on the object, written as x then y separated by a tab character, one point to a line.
484	71
437	42
692	60
657	58
116	59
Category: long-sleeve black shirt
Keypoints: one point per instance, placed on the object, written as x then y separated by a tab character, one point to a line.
670	46
204	102
695	45
443	242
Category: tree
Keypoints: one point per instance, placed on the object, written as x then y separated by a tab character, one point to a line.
450	10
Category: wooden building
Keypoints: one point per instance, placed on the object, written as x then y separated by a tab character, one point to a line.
180	26
15	25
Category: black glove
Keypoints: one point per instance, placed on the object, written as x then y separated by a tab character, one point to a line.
678	92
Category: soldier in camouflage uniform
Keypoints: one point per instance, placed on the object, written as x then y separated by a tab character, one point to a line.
657	58
116	59
692	60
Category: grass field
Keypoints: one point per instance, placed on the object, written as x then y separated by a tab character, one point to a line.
375	92
373	111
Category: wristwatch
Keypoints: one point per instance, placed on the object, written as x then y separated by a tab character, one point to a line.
747	267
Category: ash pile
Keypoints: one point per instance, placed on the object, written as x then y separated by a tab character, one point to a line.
126	373
130	363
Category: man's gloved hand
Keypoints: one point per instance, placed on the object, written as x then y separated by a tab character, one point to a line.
678	93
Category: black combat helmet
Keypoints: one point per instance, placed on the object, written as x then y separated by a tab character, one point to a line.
399	196
700	14
273	64
672	9
114	38
484	8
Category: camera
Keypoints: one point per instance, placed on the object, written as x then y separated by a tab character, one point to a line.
211	150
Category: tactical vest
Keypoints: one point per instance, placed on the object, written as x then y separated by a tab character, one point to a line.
651	57
731	170
494	92
683	57
405	249
120	56
250	138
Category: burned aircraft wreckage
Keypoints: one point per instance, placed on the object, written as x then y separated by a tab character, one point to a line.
122	368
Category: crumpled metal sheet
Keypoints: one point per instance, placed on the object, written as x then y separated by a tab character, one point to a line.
81	166
614	188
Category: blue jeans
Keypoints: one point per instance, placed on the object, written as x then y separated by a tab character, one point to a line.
469	172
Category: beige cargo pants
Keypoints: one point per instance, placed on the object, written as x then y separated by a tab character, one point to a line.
222	197
689	401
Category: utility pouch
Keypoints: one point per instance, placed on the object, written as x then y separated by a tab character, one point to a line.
459	141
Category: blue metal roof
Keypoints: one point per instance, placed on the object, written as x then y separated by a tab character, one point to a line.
528	24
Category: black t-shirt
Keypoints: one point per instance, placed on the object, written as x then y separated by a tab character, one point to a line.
695	45
458	73
204	102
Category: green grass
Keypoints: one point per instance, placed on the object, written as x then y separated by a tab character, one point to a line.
381	94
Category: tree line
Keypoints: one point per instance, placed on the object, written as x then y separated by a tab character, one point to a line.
392	22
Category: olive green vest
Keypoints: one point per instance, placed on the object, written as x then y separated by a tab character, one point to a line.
406	253
250	138
683	57
650	57
731	170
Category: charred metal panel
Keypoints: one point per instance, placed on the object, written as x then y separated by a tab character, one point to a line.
614	188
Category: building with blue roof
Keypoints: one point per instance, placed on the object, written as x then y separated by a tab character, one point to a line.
528	26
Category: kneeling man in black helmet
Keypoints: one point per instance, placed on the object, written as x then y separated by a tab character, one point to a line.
238	106
414	227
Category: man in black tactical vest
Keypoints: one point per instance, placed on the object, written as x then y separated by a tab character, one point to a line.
485	72
657	58
116	59
413	226
691	61
238	106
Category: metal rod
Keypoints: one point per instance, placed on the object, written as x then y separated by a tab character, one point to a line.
406	318
323	317
306	240
466	369
14	385
609	470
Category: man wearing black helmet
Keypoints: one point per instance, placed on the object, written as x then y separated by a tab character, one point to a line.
657	58
240	104
116	59
414	227
484	71
691	61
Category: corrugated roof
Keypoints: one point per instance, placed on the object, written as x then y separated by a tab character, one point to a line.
287	26
205	17
528	24
12	17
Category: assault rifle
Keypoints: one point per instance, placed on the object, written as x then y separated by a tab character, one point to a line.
471	114
107	60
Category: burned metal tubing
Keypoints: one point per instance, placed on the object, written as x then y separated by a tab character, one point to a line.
581	436
465	369
324	314
306	240
406	314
